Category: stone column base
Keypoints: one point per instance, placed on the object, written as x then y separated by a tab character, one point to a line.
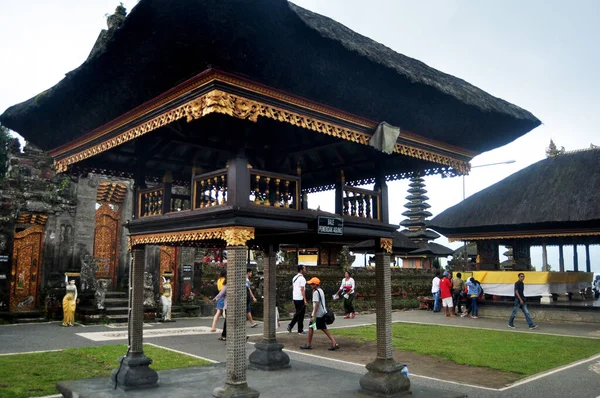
269	355
384	379
546	299
135	373
235	391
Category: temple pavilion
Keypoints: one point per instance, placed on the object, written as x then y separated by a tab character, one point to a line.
549	203
247	108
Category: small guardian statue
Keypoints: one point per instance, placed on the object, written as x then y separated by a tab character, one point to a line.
166	300
149	300
100	295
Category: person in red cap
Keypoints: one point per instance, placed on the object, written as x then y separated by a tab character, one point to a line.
316	317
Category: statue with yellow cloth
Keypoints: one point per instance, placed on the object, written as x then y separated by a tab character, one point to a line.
69	302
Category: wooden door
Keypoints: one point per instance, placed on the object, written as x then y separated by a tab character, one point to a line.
106	241
25	270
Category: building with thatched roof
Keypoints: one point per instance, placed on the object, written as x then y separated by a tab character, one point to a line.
245	108
551	202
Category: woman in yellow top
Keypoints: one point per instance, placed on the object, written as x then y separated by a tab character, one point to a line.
220	302
69	302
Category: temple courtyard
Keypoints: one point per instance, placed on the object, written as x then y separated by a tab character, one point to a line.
338	371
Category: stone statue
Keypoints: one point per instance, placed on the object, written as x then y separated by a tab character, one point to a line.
88	273
69	302
166	300
149	300
101	288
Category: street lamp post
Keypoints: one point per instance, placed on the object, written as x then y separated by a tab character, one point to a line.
464	197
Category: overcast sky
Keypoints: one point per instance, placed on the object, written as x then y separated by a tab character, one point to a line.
541	55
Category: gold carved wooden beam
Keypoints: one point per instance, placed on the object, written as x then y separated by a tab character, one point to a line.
219	101
233	236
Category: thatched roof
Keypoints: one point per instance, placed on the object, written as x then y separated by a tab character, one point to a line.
162	43
559	192
400	244
432	248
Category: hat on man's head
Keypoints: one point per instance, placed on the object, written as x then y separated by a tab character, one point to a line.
446	273
313	281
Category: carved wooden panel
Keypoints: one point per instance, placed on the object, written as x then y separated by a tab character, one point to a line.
106	241
26	265
168	267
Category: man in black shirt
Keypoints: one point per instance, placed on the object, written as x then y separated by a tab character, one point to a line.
520	302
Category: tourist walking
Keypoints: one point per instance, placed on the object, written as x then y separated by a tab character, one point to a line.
220	302
69	302
249	298
474	289
223	296
520	303
347	291
458	288
435	291
446	294
316	318
299	298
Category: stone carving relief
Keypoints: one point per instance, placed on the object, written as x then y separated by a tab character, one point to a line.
100	295
149	300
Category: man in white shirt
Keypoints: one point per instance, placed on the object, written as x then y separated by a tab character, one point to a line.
299	297
435	291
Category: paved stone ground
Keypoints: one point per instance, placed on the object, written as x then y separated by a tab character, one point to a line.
581	380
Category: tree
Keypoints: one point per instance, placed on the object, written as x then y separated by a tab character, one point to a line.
5	140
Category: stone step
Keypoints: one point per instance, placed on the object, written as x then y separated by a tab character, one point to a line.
116	294
30	320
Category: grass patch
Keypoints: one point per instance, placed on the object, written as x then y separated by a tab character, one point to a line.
522	353
35	375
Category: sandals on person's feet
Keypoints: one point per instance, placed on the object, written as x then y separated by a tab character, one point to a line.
334	347
306	347
213	330
222	338
253	326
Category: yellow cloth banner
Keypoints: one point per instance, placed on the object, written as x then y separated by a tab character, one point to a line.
532	277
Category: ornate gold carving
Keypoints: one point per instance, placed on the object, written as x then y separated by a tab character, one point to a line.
238	236
32	218
386	244
218	101
111	192
234	236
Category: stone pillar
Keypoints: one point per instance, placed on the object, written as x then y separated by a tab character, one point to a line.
588	263
575	259
544	258
383	377
269	353
235	383
134	371
561	259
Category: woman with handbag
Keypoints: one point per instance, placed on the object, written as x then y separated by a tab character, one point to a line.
347	289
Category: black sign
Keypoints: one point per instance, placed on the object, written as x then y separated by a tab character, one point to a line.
187	268
3	259
330	225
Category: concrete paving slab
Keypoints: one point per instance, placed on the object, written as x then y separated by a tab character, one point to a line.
199	382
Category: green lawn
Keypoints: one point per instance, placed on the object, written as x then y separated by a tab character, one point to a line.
35	375
522	353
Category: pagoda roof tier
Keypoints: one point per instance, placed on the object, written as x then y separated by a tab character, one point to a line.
297	66
421	234
413	205
416	190
552	201
416	197
416	213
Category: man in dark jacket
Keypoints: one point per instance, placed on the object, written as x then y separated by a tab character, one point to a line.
520	302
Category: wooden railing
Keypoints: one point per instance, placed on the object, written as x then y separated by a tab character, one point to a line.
210	189
150	201
360	202
275	190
